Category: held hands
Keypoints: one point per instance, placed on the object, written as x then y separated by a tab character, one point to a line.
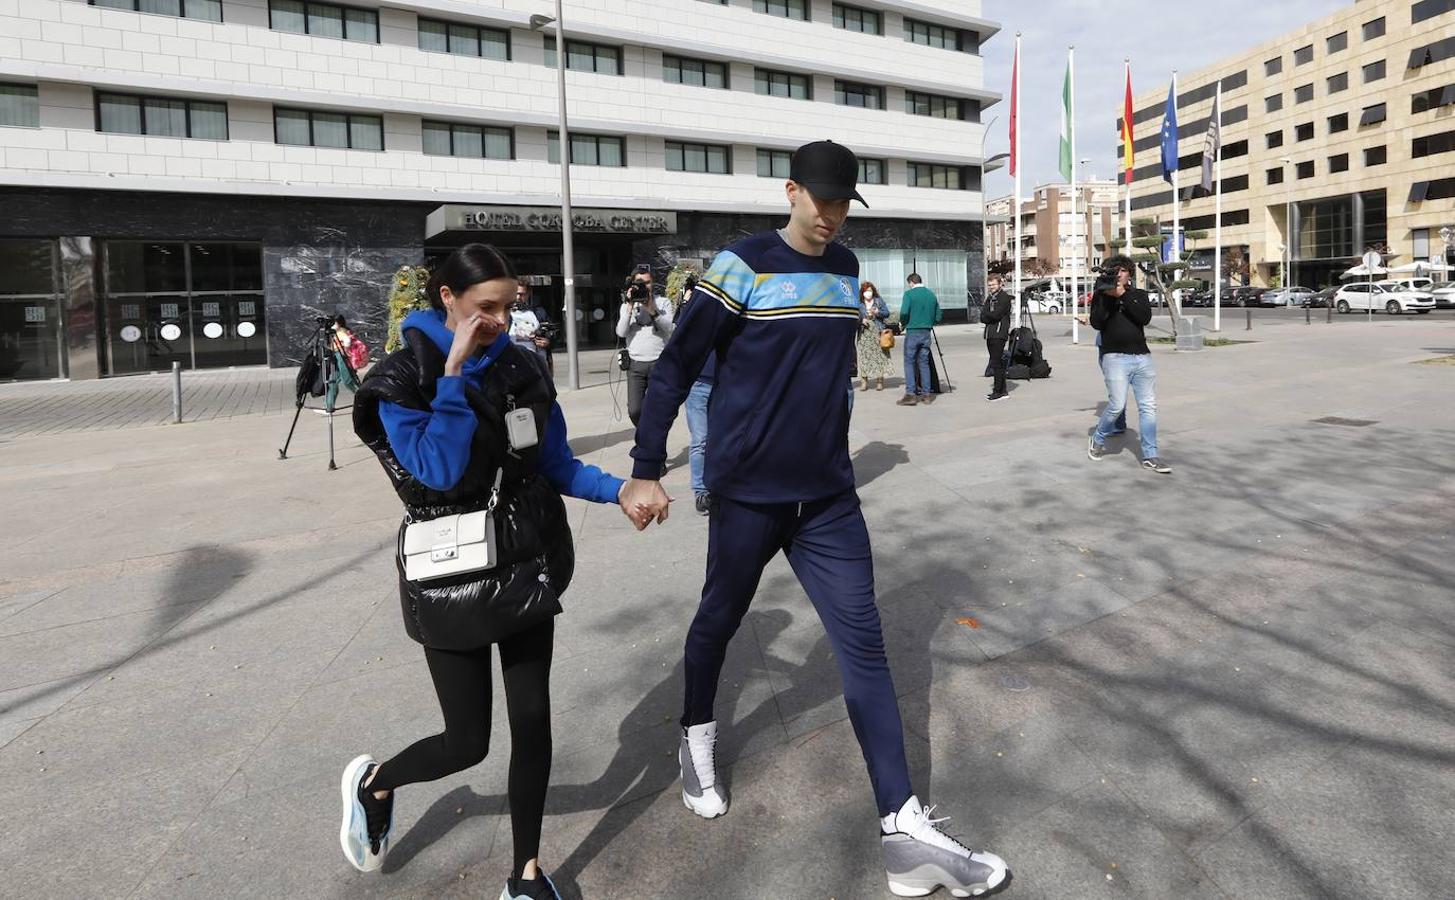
642	501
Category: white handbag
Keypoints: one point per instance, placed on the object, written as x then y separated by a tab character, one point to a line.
452	545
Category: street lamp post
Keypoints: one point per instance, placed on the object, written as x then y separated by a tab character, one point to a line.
1287	229
568	253
984	222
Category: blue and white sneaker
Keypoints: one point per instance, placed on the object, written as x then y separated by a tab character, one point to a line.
541	888
364	834
919	858
701	791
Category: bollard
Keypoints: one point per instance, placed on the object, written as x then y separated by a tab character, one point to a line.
1330	318
176	392
1249	312
1308	315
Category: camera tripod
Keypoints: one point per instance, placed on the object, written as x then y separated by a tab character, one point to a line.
320	367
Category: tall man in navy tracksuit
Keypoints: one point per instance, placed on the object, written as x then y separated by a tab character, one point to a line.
779	309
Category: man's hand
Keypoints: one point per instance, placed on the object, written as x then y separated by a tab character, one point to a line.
642	501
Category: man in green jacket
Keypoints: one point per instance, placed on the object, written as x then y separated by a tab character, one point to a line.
919	313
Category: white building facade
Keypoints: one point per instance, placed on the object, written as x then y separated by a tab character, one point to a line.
195	180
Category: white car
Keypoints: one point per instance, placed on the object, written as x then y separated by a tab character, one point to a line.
1389	296
1047	302
1294	296
1444	294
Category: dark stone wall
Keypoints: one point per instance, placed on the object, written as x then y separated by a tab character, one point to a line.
319	256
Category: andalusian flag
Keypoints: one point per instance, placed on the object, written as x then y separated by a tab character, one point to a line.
1066	125
1129	152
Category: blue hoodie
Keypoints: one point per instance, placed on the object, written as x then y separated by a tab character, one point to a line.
434	446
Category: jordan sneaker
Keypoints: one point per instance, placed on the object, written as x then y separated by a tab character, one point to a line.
701	791
919	858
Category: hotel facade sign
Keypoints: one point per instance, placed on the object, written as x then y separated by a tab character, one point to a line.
460	217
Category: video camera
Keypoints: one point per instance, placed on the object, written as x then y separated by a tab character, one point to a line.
638	291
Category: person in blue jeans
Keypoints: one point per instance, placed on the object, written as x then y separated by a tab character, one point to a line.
1120	427
696	409
1121	314
918	313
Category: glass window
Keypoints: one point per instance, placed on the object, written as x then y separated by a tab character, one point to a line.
1428	9
1273	103
1272	66
1337	42
464	40
1374	71
1274	138
584	57
588	149
1303	93
788	9
324	20
290	126
1374	29
117	114
1275	176
852	18
1433	98
434	37
288	15
782	84
494	43
322	129
873	171
161	7
207	121
206	10
19	106
1304	132
1375	156
706	158
940	36
162	116
1339	163
330	130
698	72
1338	123
167	118
366	133
361	25
1303	55
853	93
454	139
1306	169
918	104
1339	82
437	139
955	178
1432	144
774	163
1372	115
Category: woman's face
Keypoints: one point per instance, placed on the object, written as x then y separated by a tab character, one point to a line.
490	300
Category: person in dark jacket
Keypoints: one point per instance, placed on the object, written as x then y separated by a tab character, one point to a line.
435	413
1120	312
995	315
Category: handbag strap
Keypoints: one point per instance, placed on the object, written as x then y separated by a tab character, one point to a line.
495	491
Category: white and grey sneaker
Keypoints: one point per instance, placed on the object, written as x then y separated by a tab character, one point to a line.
364	834
920	858
701	792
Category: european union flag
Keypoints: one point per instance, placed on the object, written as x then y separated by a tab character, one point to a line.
1169	135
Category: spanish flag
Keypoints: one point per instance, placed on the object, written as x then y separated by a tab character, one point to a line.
1129	152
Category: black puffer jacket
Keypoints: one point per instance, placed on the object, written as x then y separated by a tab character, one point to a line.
536	554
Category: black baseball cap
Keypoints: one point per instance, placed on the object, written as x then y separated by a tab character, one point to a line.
830	171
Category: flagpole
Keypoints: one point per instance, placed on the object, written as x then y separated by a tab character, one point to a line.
1075	222
1218	215
1131	132
1015	156
1176	199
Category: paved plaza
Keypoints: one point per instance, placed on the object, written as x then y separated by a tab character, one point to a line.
1235	681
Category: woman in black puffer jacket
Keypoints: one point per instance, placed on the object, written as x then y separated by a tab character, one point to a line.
436	414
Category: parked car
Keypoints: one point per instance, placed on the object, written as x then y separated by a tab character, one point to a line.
1287	297
1386	295
1246	296
1323	299
1444	294
1412	284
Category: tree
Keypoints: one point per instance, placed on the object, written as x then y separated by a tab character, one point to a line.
1235	266
1039	268
1164	277
406	294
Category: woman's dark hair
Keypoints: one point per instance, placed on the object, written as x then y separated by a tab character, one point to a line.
340	322
469	265
871	286
1119	261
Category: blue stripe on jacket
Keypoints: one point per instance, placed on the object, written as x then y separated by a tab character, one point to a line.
434	445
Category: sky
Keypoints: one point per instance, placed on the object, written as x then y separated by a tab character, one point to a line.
1156	35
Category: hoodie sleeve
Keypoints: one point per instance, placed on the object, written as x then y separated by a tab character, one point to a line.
433	445
569	475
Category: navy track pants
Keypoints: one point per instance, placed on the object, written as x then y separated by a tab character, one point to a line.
827	544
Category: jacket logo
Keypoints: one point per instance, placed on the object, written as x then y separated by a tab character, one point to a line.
845	288
790	291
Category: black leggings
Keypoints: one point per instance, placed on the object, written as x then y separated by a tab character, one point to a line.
462	681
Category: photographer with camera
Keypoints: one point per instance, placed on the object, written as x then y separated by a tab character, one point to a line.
644	324
1120	313
531	327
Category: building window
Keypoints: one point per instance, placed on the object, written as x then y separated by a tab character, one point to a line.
161	116
1303	93
774	163
307	128
788	9
1434	98
707	158
1306	170
1274	138
1443	189
1432	144
19	106
206	10
1272	66
1338	123
696	72
1374	29
324	20
1337	42
1430	54
1429	9
1304	132
588	149
852	18
1273	103
933	175
463	40
582	56
1339	163
1303	55
1337	83
471	141
853	93
1372	115
918	104
1275	176
941	36
782	84
1374	71
1375	156
873	171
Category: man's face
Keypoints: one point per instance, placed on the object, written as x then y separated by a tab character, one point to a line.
522	296
643	278
817	221
994	284
1124	277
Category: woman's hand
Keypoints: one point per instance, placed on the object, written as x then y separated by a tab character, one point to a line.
469	334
